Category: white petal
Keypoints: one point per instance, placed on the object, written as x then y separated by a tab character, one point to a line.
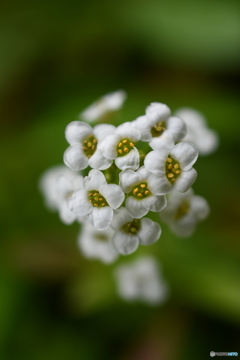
163	142
154	203
77	131
101	131
158	184
207	141
185	226
64	186
135	207
94	180
113	194
129	161
144	126
115	100
66	215
192	117
185	153
121	217
98	161
177	127
150	232
127	130
75	158
144	173
101	218
185	180
109	146
78	203
157	112
128	179
155	161
200	207
124	243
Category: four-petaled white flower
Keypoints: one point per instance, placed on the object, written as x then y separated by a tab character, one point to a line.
84	145
97	199
106	104
141	280
121	147
142	188
205	139
184	211
97	244
157	120
65	188
173	165
47	184
57	185
130	231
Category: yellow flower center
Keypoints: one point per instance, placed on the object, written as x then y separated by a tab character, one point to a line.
96	199
89	146
173	169
132	227
182	210
158	129
124	147
141	191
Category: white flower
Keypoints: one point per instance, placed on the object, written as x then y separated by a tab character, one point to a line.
130	232
198	133
97	199
47	184
173	165
156	121
106	104
142	187
121	146
184	211
141	280
84	145
97	244
65	188
57	185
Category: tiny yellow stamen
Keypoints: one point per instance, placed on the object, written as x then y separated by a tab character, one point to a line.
89	156
84	148
126	150
135	191
169	160
176	166
170	166
120	144
131	144
103	204
94	141
90	194
120	151
100	199
124	141
146	192
139	195
95	204
170	175
93	147
143	185
178	171
94	194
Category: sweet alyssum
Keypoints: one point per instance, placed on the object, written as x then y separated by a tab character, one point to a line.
114	177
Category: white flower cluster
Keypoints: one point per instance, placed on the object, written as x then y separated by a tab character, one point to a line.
127	172
123	182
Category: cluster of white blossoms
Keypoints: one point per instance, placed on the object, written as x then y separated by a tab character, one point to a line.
115	176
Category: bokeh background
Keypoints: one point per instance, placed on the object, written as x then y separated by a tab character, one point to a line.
56	58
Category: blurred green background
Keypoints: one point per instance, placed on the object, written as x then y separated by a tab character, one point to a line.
56	58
